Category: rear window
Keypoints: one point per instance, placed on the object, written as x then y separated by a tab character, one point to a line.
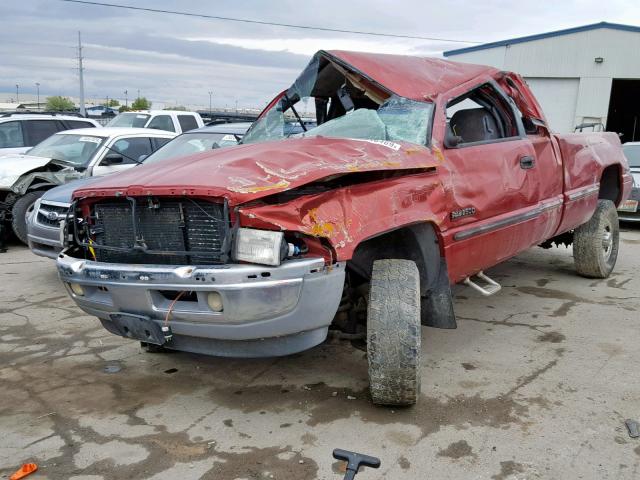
187	122
632	152
136	120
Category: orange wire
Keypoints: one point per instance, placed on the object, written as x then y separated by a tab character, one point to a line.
171	305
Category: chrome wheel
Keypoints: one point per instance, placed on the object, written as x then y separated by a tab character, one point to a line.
607	241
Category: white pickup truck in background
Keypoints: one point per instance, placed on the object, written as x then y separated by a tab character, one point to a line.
177	121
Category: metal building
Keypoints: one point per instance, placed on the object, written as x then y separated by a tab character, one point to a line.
588	74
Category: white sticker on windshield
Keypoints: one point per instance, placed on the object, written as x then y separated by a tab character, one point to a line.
90	139
141	116
228	138
384	143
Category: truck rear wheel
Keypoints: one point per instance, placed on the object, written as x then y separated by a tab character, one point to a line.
595	243
19	214
393	332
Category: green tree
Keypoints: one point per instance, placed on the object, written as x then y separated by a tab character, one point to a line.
59	104
123	109
113	103
141	103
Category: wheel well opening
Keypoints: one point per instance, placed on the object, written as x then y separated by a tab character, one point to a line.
402	244
610	184
417	243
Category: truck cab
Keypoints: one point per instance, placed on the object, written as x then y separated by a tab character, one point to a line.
176	121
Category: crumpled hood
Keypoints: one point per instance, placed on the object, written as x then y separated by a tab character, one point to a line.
13	166
248	172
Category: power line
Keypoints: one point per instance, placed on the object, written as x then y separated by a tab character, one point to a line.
260	22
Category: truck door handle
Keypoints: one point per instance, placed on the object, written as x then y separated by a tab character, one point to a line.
527	162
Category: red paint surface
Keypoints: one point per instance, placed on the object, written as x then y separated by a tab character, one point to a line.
486	177
418	78
249	172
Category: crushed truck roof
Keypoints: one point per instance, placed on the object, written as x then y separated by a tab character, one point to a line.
418	78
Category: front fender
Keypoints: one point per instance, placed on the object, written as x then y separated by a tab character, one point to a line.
36	180
349	215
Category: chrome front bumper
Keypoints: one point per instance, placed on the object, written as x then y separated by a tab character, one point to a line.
267	311
44	240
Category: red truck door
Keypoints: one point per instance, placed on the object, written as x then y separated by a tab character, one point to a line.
505	193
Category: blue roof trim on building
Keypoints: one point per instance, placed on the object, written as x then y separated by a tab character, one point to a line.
540	36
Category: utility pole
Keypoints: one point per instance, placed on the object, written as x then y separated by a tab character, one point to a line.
81	74
17	93
236	107
138	94
210	110
126	99
38	90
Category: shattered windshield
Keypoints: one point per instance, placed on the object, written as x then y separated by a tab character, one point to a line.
73	149
330	101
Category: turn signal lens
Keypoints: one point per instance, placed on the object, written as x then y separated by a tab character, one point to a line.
77	289
214	300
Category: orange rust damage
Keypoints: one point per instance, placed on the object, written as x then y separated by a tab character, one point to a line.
260	188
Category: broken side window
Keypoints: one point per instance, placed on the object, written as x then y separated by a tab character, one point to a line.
406	119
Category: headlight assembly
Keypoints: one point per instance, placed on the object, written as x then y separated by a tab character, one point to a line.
260	246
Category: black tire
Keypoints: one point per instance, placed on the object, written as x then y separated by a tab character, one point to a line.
19	214
152	348
595	243
393	332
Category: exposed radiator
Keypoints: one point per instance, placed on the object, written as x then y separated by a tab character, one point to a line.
163	225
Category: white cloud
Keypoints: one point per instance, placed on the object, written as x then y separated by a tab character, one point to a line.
308	46
174	59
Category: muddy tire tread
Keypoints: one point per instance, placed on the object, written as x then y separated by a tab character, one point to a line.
394	333
587	242
18	212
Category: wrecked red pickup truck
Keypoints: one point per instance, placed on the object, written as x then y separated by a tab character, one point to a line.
420	173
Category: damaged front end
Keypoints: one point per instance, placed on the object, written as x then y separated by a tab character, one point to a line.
173	265
15	182
245	251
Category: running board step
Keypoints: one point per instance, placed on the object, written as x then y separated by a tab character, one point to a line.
490	288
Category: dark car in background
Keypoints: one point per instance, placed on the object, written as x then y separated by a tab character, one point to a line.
43	223
101	111
629	210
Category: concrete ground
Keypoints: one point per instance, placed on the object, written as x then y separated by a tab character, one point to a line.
535	383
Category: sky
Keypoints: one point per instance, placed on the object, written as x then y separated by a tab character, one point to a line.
175	60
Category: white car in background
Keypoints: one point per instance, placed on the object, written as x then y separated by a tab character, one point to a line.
66	156
44	222
21	131
177	121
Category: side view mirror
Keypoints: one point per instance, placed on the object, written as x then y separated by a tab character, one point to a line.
112	159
